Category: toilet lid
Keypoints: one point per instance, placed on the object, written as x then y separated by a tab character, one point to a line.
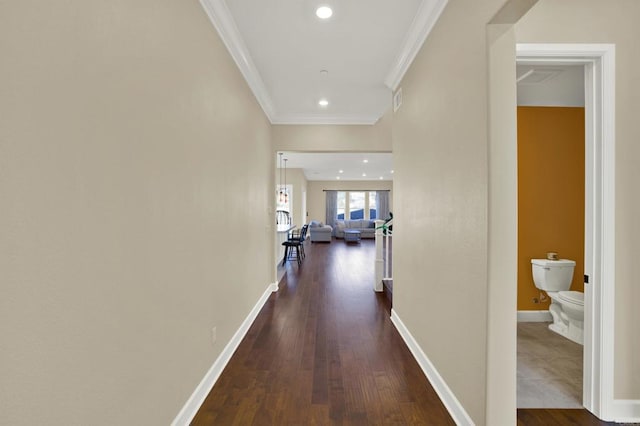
576	297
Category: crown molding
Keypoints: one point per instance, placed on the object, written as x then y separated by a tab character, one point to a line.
324	119
425	19
221	18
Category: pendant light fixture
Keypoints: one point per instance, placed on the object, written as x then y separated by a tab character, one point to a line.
286	192
280	191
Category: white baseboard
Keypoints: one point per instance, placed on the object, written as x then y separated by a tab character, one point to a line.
451	403
626	410
534	316
198	396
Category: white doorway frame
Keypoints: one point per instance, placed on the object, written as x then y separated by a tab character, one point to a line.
305	215
599	256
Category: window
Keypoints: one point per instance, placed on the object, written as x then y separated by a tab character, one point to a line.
342	204
357	205
372	205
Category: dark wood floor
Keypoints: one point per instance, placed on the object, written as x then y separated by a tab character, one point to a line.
557	417
323	351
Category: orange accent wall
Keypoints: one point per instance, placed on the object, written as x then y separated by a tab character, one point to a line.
550	193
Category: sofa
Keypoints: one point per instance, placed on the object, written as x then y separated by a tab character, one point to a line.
366	227
319	232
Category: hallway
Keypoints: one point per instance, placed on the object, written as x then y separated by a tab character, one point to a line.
324	351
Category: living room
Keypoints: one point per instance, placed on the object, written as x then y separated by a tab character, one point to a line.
310	175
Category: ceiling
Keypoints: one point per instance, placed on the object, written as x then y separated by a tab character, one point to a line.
355	59
327	166
365	47
540	85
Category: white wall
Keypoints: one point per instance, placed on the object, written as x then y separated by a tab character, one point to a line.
136	176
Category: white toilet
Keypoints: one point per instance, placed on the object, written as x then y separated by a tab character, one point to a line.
567	307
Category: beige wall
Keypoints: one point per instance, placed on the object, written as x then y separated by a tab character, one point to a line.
316	197
593	21
119	121
298	182
502	219
442	194
336	138
440	183
126	222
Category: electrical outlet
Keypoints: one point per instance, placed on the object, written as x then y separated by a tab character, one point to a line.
214	335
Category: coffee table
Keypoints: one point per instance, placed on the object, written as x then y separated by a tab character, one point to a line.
351	236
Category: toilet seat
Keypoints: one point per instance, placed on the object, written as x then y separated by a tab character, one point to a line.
575	297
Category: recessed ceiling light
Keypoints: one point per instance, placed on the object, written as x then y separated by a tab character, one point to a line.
340	171
323	102
365	161
338	177
391	171
364	175
324	12
381	177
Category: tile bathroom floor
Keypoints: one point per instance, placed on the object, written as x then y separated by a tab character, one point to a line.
549	368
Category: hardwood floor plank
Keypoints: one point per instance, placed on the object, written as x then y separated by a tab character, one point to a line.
320	391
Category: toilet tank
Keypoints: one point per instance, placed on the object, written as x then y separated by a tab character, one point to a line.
552	275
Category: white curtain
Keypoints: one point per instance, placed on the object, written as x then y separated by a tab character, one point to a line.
331	207
382	204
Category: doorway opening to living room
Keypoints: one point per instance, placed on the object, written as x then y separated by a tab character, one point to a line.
357	176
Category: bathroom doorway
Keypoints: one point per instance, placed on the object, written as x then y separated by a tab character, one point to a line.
551	219
597	61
